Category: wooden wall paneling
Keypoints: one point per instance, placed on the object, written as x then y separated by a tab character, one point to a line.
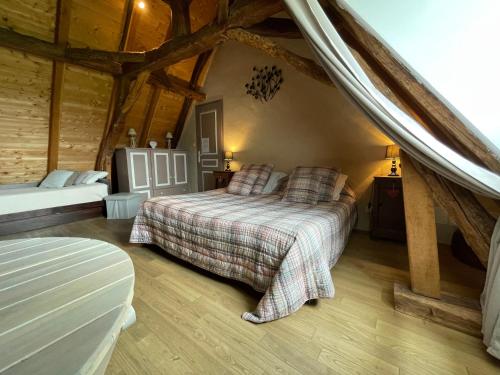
29	17
167	112
150	26
96	23
85	101
61	34
25	83
146	128
420	231
136	116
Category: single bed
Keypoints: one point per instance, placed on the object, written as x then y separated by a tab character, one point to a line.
283	249
27	207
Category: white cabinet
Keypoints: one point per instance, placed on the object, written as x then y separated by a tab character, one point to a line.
154	172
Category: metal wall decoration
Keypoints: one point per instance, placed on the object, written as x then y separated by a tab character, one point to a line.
265	83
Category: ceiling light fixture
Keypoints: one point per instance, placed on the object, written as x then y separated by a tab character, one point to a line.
141	4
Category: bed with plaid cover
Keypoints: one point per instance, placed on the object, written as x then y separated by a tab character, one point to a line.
283	249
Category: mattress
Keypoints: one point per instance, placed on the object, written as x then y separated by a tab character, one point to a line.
35	198
282	249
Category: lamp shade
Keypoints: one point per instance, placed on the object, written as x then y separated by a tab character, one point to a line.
392	152
169	135
228	155
131	132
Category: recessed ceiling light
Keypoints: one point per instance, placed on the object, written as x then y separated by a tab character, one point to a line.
141	4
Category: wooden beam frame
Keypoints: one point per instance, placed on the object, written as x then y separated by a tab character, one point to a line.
57	52
302	64
444	123
420	231
276	28
243	13
61	33
201	63
176	85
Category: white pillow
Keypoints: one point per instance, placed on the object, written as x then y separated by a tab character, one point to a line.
339	185
56	179
90	177
273	182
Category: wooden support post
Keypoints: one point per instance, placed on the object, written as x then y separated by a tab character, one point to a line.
459	313
420	232
155	97
60	38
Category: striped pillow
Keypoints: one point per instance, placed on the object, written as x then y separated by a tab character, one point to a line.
242	183
264	171
303	189
330	177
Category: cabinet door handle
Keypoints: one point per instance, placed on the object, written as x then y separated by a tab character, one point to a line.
199	156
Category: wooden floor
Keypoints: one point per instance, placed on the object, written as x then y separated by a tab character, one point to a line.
189	321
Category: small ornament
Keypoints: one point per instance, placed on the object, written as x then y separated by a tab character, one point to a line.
265	83
132	138
153	144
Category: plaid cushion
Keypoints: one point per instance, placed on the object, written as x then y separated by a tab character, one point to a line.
330	175
264	171
242	183
303	189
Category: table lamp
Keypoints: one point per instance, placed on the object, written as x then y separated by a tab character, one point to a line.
392	152
228	156
132	137
169	137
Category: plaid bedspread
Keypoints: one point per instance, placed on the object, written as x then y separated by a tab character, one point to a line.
282	249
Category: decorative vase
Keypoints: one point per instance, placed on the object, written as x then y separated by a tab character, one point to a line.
153	144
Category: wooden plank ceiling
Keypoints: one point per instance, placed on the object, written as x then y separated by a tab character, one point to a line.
26	81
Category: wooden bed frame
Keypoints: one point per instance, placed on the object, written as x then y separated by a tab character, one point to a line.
36	219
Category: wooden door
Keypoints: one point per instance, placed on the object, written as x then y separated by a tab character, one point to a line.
209	141
139	171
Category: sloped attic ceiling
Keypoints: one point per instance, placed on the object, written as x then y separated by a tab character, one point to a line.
26	81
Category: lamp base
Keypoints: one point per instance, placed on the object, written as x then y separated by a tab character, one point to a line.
394	169
228	166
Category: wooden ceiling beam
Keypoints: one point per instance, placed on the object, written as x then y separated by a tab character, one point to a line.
243	13
276	28
88	54
61	34
200	66
222	11
41	48
302	64
146	128
438	117
175	85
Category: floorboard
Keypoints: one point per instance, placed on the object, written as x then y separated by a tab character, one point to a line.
188	321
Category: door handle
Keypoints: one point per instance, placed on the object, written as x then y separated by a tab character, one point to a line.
199	156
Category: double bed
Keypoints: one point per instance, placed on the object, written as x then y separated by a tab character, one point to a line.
282	249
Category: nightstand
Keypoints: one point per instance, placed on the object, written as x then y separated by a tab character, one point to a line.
222	178
387	218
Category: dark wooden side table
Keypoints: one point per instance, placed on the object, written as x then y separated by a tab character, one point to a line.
387	219
222	178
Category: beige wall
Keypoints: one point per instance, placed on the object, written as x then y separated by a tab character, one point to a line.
306	123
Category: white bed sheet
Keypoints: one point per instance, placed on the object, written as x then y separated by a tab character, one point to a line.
35	198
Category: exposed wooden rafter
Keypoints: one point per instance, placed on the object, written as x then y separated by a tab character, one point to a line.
222	11
276	28
436	114
200	66
57	52
61	33
243	13
155	97
302	64
118	93
176	85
